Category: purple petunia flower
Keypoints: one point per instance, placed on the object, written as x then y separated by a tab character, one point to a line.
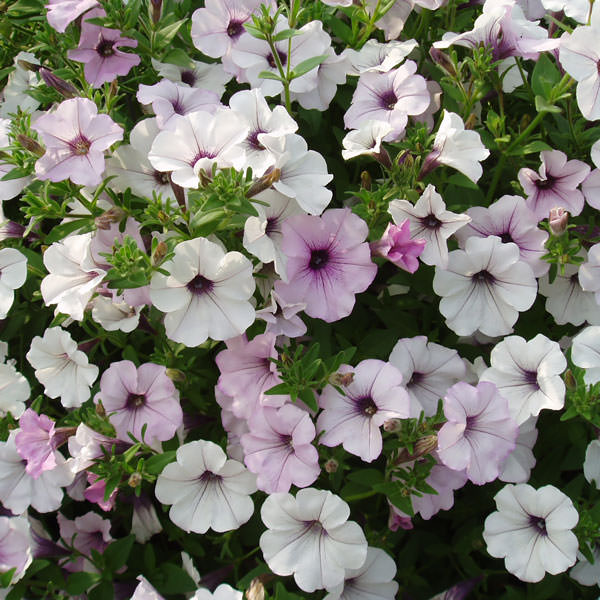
136	397
98	50
75	136
328	262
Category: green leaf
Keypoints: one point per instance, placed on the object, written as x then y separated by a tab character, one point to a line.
282	594
23	8
545	76
307	65
531	148
178	57
286	34
16	173
155	464
6	577
542	105
308	397
171	579
366	477
204	223
254	31
78	583
104	591
166	34
76	225
280	388
117	553
269	75
396	494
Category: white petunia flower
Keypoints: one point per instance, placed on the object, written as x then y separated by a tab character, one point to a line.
591	464
19	82
14	390
13	272
527	374
456	147
222	592
585	353
578	10
207	490
485	287
263	235
309	536
430	220
73	275
208	76
372	581
19	490
365	140
61	368
206	294
566	301
532	531
585	572
114	316
518	465
374	56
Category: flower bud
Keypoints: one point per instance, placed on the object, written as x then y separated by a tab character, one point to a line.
156	10
100	409
442	60
112	215
134	480
558	220
331	466
256	590
570	380
159	253
63	87
365	180
30	144
392	425
341	379
175	375
263	183
471	121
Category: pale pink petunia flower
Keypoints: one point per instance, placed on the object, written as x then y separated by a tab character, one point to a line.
479	433
282	317
589	272
137	397
13	273
328	262
98	50
75	136
354	418
278	448
555	184
398	247
15	546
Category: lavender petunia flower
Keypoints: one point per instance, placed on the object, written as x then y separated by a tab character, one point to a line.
555	184
98	51
15	546
134	397
282	317
328	262
375	395
278	448
397	246
479	433
75	136
511	220
63	12
388	97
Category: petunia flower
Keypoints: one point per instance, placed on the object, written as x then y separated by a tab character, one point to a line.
206	294
14	389
517	467
282	317
366	140
12	187
354	418
485	287
75	136
98	50
134	398
13	273
479	433
61	368
15	546
591	464
585	353
555	184
207	490
62	12
397	246
430	221
195	74
328	262
310	537
527	374
375	56
531	530
15	93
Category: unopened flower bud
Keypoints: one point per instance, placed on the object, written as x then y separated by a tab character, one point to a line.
570	380
114	87
442	60
63	87
341	379
159	253
30	144
113	215
100	409
134	480
263	183
471	121
331	466
175	374
558	220
392	425
365	180
156	10
256	590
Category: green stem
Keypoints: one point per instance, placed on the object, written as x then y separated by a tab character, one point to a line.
284	77
360	496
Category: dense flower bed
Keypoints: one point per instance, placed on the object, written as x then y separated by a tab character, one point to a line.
299	299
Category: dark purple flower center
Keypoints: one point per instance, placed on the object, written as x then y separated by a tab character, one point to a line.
201	154
539	523
484	277
531	378
105	48
135	400
282	59
431	222
470	422
252	140
366	406
80	145
545	184
235	29
209	477
416	378
271	226
188	77
161	177
388	100
506	237
318	259
178	107
200	285
286	440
